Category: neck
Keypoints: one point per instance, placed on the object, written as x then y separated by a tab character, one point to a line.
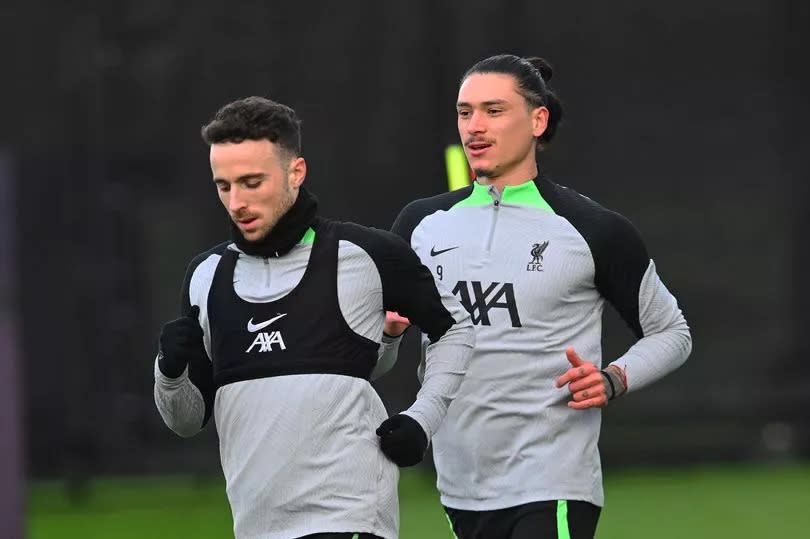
286	233
520	174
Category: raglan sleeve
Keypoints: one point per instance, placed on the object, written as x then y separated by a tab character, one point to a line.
627	278
185	402
388	352
409	289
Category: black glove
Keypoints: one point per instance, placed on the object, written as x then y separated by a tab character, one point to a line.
402	440
181	341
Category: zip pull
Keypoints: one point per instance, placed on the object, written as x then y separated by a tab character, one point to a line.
495	194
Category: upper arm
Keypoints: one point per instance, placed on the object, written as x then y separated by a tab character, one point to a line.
621	261
185	293
360	291
408	286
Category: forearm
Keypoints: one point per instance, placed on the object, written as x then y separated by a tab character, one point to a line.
665	341
179	403
445	364
655	355
387	355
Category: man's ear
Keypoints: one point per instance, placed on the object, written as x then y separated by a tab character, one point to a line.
297	172
539	121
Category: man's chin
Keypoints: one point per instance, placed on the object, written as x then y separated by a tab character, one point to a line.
481	172
254	236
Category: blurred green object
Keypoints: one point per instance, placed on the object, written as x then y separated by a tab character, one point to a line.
721	501
458	171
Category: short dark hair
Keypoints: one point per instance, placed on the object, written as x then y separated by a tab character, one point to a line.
532	76
255	118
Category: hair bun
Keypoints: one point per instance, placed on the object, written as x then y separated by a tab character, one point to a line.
542	66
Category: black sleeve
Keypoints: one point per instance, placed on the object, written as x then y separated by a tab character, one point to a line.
200	370
408	286
185	296
621	261
619	254
412	214
406	221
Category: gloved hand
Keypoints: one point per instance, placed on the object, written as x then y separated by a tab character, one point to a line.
402	440
181	341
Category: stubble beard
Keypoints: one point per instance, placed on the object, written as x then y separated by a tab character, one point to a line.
285	202
484	173
498	170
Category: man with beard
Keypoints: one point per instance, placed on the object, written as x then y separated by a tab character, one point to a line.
533	262
279	336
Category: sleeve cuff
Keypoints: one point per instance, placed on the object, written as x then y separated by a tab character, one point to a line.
616	379
167	381
388	339
416	416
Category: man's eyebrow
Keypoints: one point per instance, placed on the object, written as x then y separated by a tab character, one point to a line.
243	177
484	103
251	176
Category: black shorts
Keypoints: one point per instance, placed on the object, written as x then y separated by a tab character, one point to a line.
340	536
556	519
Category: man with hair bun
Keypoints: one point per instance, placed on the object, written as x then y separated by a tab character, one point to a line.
533	262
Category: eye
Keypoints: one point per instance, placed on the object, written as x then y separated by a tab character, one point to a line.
253	184
223	187
464	114
494	112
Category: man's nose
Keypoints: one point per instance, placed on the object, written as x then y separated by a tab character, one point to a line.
235	200
477	123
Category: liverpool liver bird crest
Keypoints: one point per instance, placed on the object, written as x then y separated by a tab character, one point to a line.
537	252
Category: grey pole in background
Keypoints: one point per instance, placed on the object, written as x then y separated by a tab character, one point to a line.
11	462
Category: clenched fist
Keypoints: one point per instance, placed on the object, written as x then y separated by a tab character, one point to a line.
181	341
402	440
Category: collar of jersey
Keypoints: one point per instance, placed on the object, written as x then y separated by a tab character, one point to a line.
524	194
306	239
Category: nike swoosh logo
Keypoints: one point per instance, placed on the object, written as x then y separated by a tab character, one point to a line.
256	327
434	252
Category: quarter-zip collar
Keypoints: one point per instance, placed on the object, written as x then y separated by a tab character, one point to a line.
524	194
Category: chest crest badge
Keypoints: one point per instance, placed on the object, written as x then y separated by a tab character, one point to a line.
536	253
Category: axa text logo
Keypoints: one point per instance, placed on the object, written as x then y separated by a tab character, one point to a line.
479	301
265	339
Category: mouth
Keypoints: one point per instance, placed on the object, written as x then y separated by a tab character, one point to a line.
478	148
247	223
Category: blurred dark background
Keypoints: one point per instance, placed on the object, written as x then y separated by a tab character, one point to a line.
689	117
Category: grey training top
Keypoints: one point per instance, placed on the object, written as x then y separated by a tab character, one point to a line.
299	452
533	266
